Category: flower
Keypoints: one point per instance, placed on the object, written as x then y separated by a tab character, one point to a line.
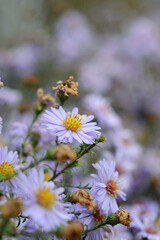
107	187
8	166
71	125
41	200
68	87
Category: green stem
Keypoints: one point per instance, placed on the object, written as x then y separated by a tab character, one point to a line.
111	220
28	134
69	165
72	186
3	227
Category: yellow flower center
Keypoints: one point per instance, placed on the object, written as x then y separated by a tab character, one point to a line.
7	169
45	197
47	176
72	123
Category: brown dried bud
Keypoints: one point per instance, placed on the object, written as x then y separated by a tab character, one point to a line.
124	217
30	80
45	98
43	101
72	231
23	107
84	198
12	208
68	87
64	152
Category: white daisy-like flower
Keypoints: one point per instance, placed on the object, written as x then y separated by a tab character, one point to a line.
107	186
71	125
42	200
8	167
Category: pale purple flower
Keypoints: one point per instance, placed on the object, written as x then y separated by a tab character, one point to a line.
70	49
42	200
124	140
8	166
107	186
103	111
89	220
10	96
71	125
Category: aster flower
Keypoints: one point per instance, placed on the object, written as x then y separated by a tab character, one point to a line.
71	125
90	220
8	166
42	200
107	186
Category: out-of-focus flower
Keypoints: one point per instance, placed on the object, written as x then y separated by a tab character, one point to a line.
8	167
43	100
107	187
144	37
14	98
72	231
30	80
72	37
41	200
64	152
23	59
71	125
12	208
18	133
103	111
124	140
118	232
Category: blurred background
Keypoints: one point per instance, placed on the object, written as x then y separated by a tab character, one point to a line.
111	47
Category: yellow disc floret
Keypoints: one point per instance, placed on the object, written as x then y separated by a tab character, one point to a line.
7	168
72	123
45	197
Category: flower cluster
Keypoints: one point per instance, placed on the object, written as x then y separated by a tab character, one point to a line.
37	190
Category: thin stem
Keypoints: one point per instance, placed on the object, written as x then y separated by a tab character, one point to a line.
72	186
3	227
111	220
27	135
73	162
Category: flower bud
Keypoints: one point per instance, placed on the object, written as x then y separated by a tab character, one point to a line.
124	217
12	208
72	231
64	152
84	198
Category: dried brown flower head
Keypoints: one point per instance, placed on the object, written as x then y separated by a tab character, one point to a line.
67	87
12	208
124	217
84	198
64	152
72	231
43	100
30	80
